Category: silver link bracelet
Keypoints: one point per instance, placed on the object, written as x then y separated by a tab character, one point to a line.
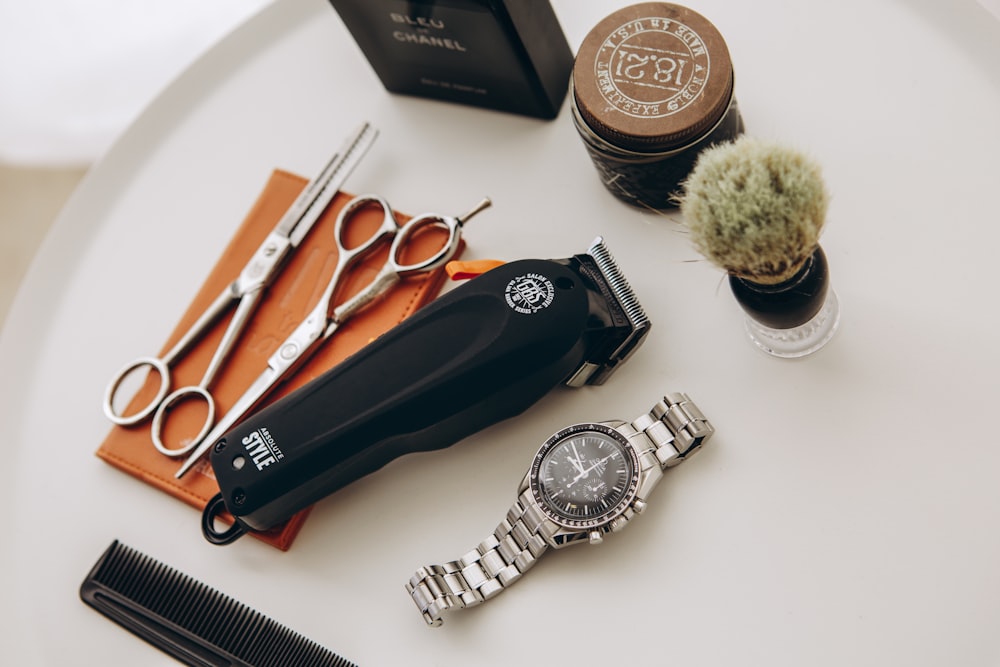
673	430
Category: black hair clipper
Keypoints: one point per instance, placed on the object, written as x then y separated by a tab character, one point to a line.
483	352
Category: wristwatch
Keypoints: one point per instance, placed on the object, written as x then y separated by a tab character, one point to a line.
586	481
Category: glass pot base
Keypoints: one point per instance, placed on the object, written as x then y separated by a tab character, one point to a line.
798	341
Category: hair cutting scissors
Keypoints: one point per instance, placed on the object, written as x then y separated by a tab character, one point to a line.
245	292
326	317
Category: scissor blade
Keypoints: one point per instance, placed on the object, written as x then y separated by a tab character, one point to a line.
320	191
243	405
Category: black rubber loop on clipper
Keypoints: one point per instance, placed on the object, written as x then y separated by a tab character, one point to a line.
215	507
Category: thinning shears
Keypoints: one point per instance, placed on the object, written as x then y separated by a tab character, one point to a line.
245	292
326	317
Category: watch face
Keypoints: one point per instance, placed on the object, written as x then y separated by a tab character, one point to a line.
584	475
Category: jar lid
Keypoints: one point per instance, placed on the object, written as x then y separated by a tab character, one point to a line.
652	77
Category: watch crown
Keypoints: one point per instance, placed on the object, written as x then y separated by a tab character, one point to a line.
639	506
595	537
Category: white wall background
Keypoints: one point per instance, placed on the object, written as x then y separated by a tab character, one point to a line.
74	74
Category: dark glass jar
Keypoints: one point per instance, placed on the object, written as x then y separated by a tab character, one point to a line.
793	318
790	303
652	87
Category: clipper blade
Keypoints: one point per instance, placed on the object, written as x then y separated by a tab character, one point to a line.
619	285
631	322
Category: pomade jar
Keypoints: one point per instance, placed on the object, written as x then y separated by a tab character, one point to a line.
652	87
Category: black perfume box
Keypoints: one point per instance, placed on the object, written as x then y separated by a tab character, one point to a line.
509	55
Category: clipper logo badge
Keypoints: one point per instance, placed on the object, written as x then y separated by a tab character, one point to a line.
529	293
262	449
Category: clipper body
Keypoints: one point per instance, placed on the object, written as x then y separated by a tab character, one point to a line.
481	353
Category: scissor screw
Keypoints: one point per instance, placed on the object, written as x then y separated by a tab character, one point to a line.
239	497
220	445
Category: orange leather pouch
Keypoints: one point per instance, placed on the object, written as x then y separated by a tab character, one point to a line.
287	301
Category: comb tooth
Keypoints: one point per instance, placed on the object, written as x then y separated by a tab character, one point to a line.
193	605
301	655
129	585
231	622
158	596
249	637
114	561
206	622
305	657
257	650
100	571
177	599
183	608
310	659
253	651
271	660
253	641
204	617
153	595
318	659
262	656
211	619
224	621
231	631
189	620
234	621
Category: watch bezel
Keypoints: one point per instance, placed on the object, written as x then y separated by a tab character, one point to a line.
611	513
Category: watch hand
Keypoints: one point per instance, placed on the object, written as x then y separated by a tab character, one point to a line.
586	472
578	463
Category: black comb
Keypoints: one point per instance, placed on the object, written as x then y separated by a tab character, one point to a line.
191	621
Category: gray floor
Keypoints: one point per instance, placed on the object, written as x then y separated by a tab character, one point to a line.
30	200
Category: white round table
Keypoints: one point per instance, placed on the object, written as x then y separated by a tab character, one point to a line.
846	513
